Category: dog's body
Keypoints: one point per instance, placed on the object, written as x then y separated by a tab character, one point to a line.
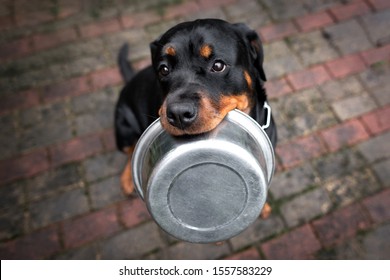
200	71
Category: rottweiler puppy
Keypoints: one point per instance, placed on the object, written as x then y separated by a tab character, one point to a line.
200	71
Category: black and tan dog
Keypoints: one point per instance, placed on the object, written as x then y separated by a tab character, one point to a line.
200	71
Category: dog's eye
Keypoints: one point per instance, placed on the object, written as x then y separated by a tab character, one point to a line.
164	70
218	66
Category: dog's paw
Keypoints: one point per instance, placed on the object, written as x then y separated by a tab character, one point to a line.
266	211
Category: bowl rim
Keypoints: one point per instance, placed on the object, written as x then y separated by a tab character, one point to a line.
243	120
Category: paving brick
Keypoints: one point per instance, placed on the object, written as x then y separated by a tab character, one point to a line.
380	34
345	66
279	60
348	36
306	207
140	19
23	166
353	106
90	227
314	21
132	244
255	16
6	22
320	5
300	243
352	187
336	165
76	149
356	8
343	88
258	231
344	134
293	181
105	192
373	245
277	88
89	252
94	113
282	10
190	251
8	148
249	254
37	245
299	150
312	48
376	244
48	40
133	212
106	77
308	77
376	148
181	10
65	205
53	181
382	171
108	139
68	88
376	121
19	100
99	28
277	31
376	76
378	206
46	132
204	4
104	165
341	224
15	49
376	55
12	221
380	4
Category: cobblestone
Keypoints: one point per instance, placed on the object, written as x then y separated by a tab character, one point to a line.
305	207
380	34
353	106
293	181
382	170
54	209
312	48
376	148
352	187
279	60
348	36
132	244
105	192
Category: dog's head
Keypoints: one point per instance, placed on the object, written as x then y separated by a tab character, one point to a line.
207	68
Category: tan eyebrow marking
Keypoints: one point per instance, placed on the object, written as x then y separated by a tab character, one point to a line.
248	79
205	51
170	51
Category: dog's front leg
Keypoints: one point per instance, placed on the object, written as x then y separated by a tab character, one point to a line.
127	175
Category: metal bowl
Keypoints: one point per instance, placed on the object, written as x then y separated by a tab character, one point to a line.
209	187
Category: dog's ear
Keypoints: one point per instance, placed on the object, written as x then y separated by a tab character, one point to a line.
255	47
153	50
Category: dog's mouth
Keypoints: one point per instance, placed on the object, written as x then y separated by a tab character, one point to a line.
191	119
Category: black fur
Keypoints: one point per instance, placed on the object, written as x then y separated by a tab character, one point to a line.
182	79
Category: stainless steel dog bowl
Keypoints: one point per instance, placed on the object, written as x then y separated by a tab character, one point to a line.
209	187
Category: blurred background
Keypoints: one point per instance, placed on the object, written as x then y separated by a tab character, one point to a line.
327	64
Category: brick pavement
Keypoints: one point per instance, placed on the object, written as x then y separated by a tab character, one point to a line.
328	66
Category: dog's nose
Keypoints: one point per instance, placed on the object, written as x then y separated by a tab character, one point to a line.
181	115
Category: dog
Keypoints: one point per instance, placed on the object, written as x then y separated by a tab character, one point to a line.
200	71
